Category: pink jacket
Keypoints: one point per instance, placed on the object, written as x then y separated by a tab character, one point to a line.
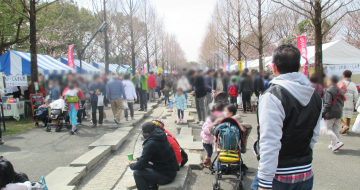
80	94
205	134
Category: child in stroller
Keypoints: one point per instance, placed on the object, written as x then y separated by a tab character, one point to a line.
42	114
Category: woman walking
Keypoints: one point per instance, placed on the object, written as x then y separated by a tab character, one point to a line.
245	88
72	95
130	95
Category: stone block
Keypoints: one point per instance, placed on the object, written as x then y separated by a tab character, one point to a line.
191	145
64	176
114	140
186	131
194	160
92	157
180	181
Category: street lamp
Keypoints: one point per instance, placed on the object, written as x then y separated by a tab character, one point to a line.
101	29
240	51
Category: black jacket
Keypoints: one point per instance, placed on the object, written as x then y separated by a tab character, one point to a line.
199	85
157	150
225	80
258	84
210	83
245	85
335	110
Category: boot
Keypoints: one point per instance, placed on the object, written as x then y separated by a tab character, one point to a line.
207	162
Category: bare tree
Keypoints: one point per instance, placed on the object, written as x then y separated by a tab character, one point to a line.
318	11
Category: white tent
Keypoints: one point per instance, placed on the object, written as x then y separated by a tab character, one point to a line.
334	53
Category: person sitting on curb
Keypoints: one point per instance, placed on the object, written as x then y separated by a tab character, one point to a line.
157	164
171	138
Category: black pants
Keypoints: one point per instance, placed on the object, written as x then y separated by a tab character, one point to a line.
81	113
131	108
143	99
101	112
182	114
246	97
148	179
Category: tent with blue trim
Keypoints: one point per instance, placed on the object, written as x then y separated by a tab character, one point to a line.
18	63
86	68
101	66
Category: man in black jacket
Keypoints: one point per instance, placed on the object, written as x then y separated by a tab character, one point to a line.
332	112
200	93
157	164
210	86
259	86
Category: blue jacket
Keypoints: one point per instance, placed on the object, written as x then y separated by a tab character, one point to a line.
180	102
115	89
54	93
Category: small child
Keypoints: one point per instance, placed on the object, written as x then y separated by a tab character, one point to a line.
166	91
207	139
181	104
88	109
46	104
233	92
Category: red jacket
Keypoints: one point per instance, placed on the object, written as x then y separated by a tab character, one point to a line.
151	81
175	146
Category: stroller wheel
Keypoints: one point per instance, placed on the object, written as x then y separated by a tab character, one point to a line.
240	185
216	186
36	124
58	128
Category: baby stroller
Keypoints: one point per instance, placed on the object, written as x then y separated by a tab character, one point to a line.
229	138
58	115
220	96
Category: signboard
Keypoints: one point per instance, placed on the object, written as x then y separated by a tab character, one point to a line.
339	69
240	65
160	70
17	80
36	101
71	57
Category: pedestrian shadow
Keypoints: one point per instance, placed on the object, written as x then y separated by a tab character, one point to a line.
348	152
7	148
353	134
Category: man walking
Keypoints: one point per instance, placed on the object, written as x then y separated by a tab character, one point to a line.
140	81
151	81
289	126
97	90
200	93
115	94
210	86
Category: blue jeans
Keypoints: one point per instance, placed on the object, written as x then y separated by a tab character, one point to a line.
186	94
73	114
305	185
167	98
158	91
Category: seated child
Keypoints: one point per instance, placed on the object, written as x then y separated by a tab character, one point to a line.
10	180
181	104
46	104
207	139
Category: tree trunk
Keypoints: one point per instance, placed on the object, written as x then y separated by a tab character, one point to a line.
132	42
261	51
106	44
33	63
318	42
239	32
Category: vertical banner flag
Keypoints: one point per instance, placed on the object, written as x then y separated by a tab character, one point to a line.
159	70
240	65
224	65
145	68
301	42
71	57
137	64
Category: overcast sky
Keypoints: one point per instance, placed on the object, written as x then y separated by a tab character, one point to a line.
187	19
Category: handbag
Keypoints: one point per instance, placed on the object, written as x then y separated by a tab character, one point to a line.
72	99
100	100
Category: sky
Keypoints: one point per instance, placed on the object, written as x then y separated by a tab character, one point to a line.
187	19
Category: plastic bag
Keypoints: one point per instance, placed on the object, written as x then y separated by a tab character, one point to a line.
125	104
100	100
323	129
239	100
356	126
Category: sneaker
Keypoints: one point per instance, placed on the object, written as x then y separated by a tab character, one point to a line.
196	122
94	125
117	122
132	118
345	129
338	146
140	110
179	121
330	147
91	121
201	123
72	133
243	111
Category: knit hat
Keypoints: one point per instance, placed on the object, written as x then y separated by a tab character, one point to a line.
148	127
159	123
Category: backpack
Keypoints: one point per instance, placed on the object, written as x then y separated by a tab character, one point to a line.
228	135
233	92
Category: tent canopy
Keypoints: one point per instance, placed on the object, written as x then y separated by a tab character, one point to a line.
334	53
101	66
18	63
86	68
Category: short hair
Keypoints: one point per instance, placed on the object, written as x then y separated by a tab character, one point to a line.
313	79
232	108
7	173
233	80
246	70
96	76
151	73
266	76
347	74
126	76
286	57
237	72
139	68
184	69
200	70
334	79
191	72
180	89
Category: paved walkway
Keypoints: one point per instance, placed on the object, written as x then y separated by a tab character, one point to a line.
37	153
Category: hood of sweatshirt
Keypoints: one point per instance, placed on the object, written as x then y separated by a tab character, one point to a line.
297	84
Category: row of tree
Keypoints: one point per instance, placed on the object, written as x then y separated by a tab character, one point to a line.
134	32
251	29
